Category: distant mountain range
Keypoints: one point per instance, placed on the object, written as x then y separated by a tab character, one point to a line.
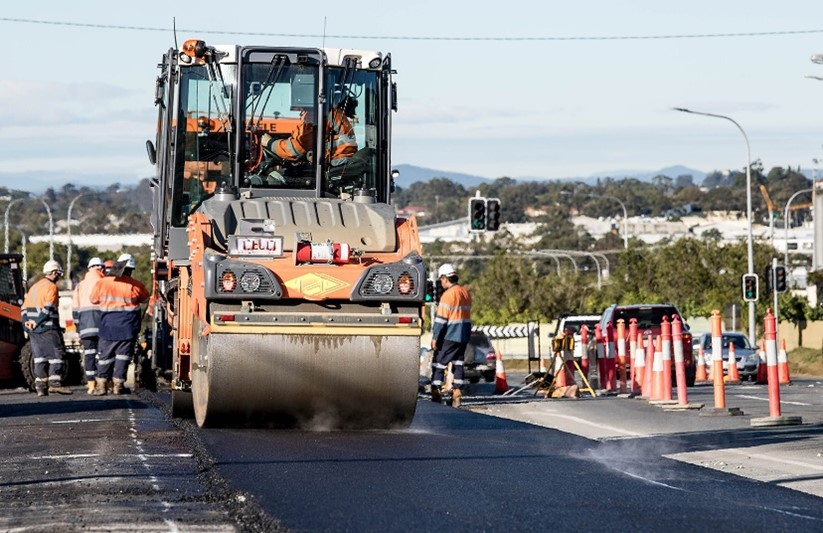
37	183
410	174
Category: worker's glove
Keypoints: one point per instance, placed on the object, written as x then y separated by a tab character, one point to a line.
30	324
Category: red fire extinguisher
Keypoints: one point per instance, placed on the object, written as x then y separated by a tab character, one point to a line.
333	253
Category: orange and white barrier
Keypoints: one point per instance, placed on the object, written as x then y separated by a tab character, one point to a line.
621	353
657	370
610	363
648	376
771	364
783	364
500	383
584	350
717	360
601	355
732	373
666	354
700	375
679	361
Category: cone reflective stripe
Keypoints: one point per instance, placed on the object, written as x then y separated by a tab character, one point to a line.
584	350
657	370
762	369
771	363
621	353
717	360
648	378
783	364
679	361
732	373
666	352
500	383
700	375
543	368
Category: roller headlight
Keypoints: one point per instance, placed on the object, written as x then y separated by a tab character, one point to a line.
382	283
250	281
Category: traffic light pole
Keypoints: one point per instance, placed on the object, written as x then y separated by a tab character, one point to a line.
774	294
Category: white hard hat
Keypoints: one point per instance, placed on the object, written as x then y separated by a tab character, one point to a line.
95	261
52	265
128	259
446	269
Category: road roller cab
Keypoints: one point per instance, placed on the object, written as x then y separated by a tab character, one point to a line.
286	288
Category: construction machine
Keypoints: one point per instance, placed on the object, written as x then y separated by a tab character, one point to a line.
286	289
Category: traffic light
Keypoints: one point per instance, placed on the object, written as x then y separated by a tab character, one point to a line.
433	291
780	278
750	288
492	214
477	214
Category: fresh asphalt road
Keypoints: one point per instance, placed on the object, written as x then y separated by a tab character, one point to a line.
458	470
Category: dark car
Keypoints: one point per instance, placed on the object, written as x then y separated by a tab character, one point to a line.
479	361
748	360
649	318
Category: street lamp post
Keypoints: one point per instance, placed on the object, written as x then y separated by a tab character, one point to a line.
750	253
51	229
6	223
786	222
68	233
625	216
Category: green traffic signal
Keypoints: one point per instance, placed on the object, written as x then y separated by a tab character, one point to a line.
477	214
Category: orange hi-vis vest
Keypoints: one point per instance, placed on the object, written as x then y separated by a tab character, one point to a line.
86	314
119	299
453	321
41	305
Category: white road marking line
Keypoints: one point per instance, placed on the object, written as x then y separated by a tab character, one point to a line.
766	400
653	482
79	421
67	456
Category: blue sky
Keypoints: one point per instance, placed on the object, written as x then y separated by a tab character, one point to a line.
78	101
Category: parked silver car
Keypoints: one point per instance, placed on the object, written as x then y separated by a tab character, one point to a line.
745	354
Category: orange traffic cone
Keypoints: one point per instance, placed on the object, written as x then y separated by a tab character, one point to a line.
733	374
559	367
762	369
500	383
700	375
783	365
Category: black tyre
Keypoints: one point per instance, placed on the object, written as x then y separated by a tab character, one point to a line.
27	365
474	379
488	376
72	367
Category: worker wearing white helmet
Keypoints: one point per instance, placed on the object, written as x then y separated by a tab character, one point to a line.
450	333
87	318
119	297
42	323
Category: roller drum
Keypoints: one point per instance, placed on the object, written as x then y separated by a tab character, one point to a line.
326	381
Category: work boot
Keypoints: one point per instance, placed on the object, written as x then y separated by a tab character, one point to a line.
436	396
99	387
42	391
59	389
91	384
120	388
456	394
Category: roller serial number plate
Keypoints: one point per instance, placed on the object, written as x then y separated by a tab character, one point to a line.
268	246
